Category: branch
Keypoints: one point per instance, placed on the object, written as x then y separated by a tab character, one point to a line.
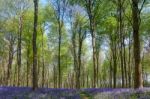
130	20
142	6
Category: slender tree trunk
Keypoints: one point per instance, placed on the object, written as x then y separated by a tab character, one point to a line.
115	68
54	76
79	60
121	40
90	7
59	58
34	70
38	68
138	80
97	61
97	69
59	44
15	76
10	60
76	53
43	61
87	80
124	59
129	63
110	73
94	56
114	58
75	58
28	65
19	49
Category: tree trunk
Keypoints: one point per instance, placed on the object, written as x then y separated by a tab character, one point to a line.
90	7
34	70
10	60
59	57
43	61
28	65
97	61
94	56
114	58
124	59
129	63
79	59
59	44
110	72
138	81
121	40
55	76
19	48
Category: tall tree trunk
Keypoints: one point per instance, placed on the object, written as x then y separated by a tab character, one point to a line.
10	60
28	65
79	59
113	46
90	7
121	40
97	60
87	79
75	55
43	61
59	59
138	80
94	54
15	76
124	59
54	76
34	70
75	59
115	66
129	62
97	68
59	43
110	72
19	48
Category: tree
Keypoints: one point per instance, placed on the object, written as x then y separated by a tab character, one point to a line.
21	7
91	14
59	7
138	81
34	70
78	29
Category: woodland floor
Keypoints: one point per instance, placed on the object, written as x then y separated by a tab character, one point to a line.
49	93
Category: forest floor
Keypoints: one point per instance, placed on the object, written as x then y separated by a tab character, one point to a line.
92	93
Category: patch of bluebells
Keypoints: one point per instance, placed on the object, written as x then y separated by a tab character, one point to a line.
13	92
61	93
45	93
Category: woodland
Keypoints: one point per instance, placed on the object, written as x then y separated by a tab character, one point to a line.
74	45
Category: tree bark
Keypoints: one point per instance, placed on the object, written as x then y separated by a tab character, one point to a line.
43	60
90	7
19	48
28	64
129	63
138	80
10	60
35	80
